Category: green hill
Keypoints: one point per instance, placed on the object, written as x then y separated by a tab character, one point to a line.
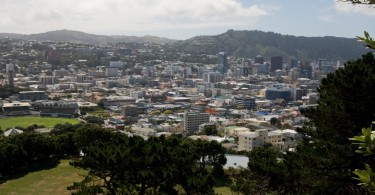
251	43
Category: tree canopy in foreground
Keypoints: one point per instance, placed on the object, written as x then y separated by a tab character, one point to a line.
119	164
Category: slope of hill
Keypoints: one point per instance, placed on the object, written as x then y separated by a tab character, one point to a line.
11	35
68	36
251	43
81	37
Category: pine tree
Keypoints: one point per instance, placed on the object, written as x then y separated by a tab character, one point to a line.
324	161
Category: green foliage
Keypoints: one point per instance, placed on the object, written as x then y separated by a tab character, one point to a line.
24	152
366	2
6	91
132	165
365	142
90	109
346	101
240	107
90	134
324	160
267	44
168	112
366	178
94	120
366	147
66	128
265	173
273	121
19	152
210	130
155	112
368	40
246	182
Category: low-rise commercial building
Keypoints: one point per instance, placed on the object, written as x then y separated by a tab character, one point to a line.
32	95
281	139
59	109
16	109
118	101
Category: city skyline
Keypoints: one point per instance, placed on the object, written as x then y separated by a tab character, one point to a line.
177	19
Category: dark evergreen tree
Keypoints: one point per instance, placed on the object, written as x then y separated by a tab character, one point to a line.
94	120
119	164
324	161
346	101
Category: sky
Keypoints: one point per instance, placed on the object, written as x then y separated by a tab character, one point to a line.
183	19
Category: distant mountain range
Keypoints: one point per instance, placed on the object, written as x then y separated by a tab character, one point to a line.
81	37
246	44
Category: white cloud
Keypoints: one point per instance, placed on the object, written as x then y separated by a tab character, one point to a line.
31	16
347	8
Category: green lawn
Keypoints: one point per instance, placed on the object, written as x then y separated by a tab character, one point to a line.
52	181
223	191
30	120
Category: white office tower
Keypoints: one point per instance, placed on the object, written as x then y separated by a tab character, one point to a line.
9	67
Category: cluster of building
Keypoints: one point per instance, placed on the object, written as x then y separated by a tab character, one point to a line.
161	96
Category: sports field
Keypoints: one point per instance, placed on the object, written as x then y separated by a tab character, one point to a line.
30	120
51	181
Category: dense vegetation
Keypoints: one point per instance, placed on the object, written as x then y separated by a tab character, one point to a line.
118	164
249	44
24	152
6	91
128	165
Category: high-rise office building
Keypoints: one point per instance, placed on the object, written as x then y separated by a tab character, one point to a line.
187	72
212	77
259	59
293	63
11	77
306	70
9	68
299	93
276	63
222	59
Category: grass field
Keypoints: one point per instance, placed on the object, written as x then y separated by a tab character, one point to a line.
30	120
52	181
225	191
